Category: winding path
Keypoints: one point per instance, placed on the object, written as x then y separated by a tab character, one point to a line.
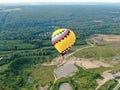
118	85
65	68
107	76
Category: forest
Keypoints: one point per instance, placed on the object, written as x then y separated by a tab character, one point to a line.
25	35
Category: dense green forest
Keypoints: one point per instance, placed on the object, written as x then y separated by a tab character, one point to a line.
34	24
25	35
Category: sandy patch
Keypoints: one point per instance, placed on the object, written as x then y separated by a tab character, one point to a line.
84	63
107	76
56	61
103	37
65	70
117	74
91	64
13	9
65	86
67	67
87	63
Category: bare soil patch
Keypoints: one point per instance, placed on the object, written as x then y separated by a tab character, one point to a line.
103	37
65	70
107	76
88	63
65	86
13	9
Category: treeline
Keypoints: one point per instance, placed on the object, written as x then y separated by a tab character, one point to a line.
37	55
25	37
38	22
15	76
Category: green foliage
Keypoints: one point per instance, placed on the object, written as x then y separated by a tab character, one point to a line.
7	45
34	56
99	52
22	63
85	80
42	75
64	80
32	26
109	85
26	77
60	81
25	42
99	70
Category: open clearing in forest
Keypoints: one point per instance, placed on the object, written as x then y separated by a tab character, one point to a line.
12	9
103	37
99	56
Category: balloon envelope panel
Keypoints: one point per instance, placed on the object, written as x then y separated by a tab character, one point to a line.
63	40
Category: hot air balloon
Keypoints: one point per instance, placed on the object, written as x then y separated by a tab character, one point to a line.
63	40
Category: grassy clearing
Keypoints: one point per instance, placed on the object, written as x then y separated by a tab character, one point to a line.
99	70
99	52
102	69
109	85
115	68
42	75
85	79
3	68
28	64
28	78
64	80
113	43
77	47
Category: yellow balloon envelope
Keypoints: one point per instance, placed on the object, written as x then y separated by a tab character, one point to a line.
63	40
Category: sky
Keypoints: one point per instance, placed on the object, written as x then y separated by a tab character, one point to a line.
14	1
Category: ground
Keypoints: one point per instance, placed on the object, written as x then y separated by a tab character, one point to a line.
101	56
86	67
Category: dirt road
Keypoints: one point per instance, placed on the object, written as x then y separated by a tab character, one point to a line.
107	76
117	86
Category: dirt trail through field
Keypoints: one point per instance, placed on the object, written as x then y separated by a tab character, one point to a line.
118	85
67	67
107	76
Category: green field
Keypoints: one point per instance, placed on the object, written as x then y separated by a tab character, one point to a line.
41	75
25	43
109	85
99	52
16	67
29	78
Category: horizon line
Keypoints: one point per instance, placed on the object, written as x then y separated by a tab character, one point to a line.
61	2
